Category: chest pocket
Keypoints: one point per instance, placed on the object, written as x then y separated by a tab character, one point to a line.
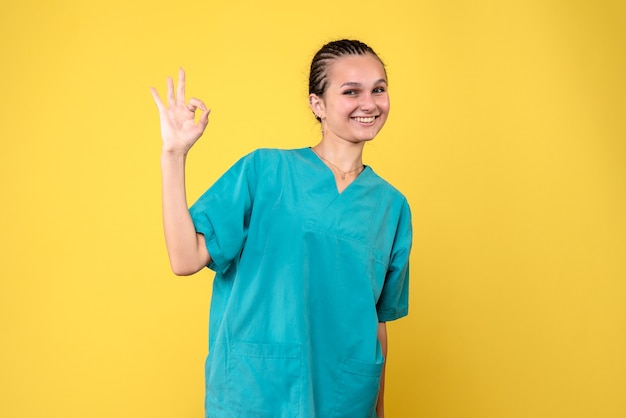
264	380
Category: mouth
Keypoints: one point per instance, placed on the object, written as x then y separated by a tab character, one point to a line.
363	119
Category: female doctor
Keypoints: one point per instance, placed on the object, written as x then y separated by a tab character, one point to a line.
310	248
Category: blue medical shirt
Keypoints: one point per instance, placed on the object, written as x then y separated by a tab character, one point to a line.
303	276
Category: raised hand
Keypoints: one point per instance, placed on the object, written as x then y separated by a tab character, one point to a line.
179	130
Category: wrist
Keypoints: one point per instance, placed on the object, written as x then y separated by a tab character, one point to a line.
171	159
170	153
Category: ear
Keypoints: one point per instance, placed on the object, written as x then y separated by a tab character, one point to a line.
317	106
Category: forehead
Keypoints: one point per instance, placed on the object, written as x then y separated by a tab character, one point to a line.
362	69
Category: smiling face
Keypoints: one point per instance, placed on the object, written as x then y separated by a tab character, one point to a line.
355	105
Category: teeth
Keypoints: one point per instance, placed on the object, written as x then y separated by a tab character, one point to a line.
365	120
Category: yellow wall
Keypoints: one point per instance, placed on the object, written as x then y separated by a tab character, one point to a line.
507	134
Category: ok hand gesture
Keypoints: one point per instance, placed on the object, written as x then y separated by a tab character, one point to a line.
179	129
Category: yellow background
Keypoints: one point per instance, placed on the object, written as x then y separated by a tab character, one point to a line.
507	135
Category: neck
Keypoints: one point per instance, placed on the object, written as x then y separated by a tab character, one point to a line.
343	155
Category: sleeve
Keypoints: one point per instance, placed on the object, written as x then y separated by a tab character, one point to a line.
394	299
222	213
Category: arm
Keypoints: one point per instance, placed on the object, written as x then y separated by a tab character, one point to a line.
179	131
382	337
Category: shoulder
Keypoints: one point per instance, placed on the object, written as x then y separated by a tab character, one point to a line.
389	190
272	158
275	153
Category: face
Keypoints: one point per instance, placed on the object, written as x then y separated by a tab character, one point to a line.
355	106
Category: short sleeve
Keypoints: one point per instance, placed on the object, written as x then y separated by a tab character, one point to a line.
394	299
222	213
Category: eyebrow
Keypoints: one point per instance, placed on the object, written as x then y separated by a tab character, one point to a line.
355	84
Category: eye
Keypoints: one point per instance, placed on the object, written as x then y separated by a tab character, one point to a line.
379	90
349	92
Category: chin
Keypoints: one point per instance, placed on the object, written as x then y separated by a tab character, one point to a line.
367	137
364	139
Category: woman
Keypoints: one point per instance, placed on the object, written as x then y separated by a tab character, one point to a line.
310	249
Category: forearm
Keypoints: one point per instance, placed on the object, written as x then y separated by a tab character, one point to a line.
382	337
186	249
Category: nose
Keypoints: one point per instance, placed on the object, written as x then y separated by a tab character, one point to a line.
367	103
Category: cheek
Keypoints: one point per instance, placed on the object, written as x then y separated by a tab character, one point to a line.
348	106
344	109
384	105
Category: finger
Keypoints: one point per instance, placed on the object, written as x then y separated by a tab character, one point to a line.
196	104
157	99
204	118
171	100
180	93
